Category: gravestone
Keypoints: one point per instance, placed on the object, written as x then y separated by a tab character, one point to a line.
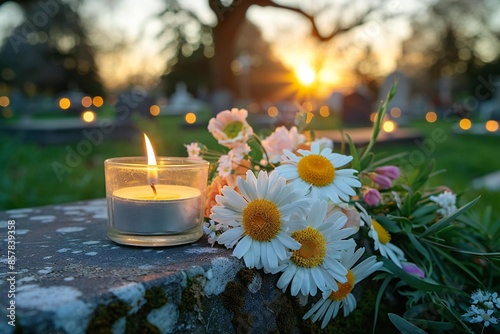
181	102
222	99
491	109
357	108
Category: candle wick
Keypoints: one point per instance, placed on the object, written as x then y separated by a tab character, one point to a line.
154	190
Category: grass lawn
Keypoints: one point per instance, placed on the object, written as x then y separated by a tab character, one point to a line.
28	178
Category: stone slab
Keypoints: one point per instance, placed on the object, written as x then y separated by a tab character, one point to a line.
69	278
361	136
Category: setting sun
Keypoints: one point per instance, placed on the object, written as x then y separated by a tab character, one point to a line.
306	75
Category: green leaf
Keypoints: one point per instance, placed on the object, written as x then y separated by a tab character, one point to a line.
404	326
424	210
457	263
406	209
422	176
443	222
388	224
413	281
380	293
418	246
354	153
424	220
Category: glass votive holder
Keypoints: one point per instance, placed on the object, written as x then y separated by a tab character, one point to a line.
155	205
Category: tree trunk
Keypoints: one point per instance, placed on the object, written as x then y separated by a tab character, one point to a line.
225	35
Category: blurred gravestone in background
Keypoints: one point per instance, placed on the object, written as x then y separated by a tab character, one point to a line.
356	109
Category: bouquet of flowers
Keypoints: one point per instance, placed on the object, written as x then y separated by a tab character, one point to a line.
324	221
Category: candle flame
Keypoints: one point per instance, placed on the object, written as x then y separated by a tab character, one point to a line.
152	171
150	151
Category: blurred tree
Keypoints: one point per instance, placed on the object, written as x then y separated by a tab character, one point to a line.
184	31
49	51
453	37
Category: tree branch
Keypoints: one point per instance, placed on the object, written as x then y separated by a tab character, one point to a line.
314	28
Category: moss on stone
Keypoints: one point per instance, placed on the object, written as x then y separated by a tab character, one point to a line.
192	295
106	315
187	298
138	322
156	297
286	319
246	276
233	299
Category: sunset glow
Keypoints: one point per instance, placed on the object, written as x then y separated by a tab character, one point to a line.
306	75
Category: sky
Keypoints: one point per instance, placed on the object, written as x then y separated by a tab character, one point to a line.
135	22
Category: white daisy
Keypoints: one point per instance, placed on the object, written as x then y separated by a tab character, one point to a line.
317	173
329	306
315	264
259	217
382	240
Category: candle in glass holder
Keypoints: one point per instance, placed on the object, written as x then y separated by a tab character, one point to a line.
158	204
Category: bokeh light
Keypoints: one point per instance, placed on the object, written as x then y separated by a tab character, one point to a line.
431	117
395	112
154	110
86	101
98	101
389	126
253	107
308	106
273	112
491	125
373	116
88	116
324	111
309	117
190	118
64	103
4	101
465	124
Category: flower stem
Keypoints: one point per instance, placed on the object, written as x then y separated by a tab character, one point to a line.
378	121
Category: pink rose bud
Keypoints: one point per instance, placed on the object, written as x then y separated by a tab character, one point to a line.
353	217
412	269
392	172
381	180
371	196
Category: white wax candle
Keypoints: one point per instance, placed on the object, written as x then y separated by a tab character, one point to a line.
135	209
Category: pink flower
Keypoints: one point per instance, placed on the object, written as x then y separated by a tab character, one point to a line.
392	172
215	188
371	196
353	216
413	269
230	128
225	165
193	151
282	139
240	152
381	180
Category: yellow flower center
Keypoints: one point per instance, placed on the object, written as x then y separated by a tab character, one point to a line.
232	129
344	288
261	220
313	249
383	235
317	170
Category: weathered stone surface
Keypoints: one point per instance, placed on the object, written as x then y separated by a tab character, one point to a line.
71	279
